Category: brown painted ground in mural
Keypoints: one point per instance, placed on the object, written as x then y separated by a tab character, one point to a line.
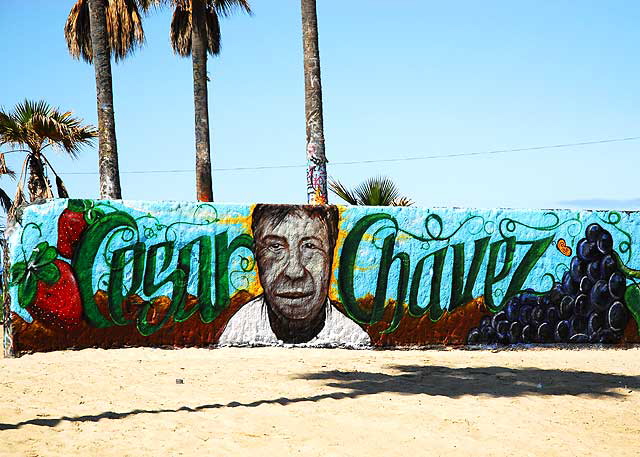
40	337
451	329
315	402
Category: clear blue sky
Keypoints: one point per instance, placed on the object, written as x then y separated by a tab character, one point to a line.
405	78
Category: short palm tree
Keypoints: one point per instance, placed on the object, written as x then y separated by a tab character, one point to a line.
33	126
96	30
5	200
376	191
195	32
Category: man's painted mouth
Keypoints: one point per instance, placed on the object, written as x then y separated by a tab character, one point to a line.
294	294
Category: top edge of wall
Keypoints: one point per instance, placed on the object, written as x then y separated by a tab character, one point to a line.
126	202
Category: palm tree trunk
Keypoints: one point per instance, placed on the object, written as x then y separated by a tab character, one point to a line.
204	191
316	159
7	321
107	149
36	183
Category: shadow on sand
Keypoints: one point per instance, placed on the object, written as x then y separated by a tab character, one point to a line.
413	380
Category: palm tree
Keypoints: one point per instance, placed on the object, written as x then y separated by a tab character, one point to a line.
376	191
316	159
95	30
31	127
5	200
195	32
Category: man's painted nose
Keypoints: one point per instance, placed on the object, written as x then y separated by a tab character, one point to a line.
294	268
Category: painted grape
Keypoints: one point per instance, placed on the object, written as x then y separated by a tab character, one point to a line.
587	306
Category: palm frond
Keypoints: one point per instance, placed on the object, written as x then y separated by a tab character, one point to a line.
4	169
5	122
376	191
226	7
11	132
77	32
180	31
402	201
222	7
124	28
64	130
18	201
213	32
147	5
62	190
341	191
5	201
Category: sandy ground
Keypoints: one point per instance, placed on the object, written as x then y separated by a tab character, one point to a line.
281	402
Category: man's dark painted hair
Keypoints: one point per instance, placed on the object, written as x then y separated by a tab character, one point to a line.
275	214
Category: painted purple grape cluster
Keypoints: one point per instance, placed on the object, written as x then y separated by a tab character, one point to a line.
586	307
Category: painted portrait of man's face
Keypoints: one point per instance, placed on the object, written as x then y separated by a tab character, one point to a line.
294	256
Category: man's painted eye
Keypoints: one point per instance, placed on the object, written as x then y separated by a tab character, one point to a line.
276	246
310	245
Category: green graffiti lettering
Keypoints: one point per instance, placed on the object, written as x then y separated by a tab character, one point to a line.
386	261
176	278
347	266
462	292
84	259
116	279
205	256
223	255
491	277
529	260
537	249
416	309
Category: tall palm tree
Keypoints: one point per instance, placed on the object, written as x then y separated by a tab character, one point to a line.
376	191
195	32
95	30
316	158
31	127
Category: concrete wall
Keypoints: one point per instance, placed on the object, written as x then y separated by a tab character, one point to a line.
114	274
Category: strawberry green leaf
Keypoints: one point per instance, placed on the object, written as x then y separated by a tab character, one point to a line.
93	214
632	299
21	295
38	252
18	272
77	206
48	256
27	292
48	273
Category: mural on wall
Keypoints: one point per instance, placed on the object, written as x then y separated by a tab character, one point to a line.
90	273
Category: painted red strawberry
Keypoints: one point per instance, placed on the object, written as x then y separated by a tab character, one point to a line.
71	224
48	289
